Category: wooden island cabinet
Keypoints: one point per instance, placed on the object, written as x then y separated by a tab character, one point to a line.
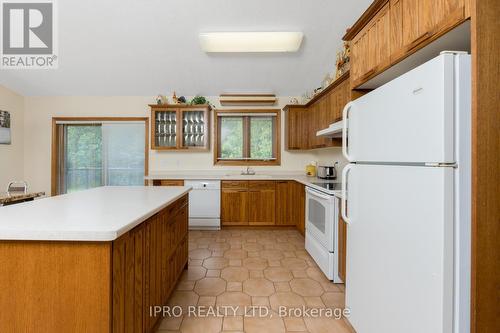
146	264
79	285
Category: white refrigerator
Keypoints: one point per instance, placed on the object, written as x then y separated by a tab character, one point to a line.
406	201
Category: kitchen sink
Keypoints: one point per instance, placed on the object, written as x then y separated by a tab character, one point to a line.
241	176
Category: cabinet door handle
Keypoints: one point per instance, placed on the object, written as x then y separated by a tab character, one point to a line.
419	40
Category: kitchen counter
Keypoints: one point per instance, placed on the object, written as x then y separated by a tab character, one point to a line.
92	261
231	175
12	197
99	214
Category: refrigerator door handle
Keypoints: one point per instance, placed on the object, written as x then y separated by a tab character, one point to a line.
343	210
345	118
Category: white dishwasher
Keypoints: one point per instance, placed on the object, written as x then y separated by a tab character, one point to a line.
204	204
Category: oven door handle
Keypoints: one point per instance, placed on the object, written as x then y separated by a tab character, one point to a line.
343	205
318	194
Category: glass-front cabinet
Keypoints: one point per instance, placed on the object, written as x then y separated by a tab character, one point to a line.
180	126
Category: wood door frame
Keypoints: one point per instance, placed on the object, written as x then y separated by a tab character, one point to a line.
55	140
276	134
485	275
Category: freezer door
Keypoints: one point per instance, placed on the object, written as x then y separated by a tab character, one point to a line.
399	248
408	120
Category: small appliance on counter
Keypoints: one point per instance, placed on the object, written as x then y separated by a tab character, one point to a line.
327	171
311	169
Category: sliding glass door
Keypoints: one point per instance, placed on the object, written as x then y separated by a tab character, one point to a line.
100	153
82	157
123	154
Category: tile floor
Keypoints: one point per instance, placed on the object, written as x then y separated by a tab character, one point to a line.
245	268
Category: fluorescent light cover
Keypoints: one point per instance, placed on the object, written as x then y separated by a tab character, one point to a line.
251	41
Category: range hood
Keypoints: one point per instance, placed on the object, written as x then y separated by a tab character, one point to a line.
332	131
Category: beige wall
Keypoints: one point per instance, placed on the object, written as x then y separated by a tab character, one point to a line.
11	156
40	110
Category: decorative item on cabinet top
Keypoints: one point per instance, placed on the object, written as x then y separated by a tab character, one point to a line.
180	127
343	63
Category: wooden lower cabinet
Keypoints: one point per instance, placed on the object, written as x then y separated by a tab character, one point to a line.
168	182
234	202
285	202
261	202
234	207
299	206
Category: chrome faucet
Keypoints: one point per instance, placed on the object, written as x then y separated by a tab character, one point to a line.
248	172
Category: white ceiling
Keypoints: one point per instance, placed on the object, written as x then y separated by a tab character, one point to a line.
134	47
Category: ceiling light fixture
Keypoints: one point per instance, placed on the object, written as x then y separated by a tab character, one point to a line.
251	41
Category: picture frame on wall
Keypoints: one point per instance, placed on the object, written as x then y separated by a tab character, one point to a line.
5	135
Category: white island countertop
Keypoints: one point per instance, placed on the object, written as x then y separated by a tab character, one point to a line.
98	214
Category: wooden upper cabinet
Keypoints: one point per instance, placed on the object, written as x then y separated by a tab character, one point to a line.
296	128
180	126
371	49
261	202
411	25
390	30
338	99
303	121
413	22
303	129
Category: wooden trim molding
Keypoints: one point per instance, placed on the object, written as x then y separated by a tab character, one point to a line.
56	139
277	140
324	92
364	19
485	161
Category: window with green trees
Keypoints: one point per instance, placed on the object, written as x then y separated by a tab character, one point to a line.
247	137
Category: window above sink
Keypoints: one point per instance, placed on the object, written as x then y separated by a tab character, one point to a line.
247	137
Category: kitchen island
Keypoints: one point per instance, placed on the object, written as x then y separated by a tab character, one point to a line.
91	261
